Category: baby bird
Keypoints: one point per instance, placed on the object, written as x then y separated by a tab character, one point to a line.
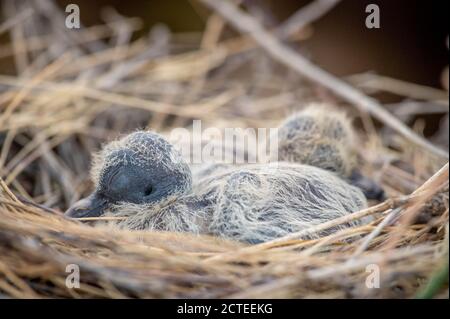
322	137
318	136
144	179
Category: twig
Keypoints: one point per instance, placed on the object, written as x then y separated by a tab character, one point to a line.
17	35
374	258
399	87
306	15
104	218
408	109
247	24
85	35
434	181
423	193
327	225
7	191
31	203
314	229
386	221
10	23
23	93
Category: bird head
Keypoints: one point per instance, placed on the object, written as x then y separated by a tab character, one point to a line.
141	169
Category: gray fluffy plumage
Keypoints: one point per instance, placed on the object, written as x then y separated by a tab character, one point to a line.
250	203
318	136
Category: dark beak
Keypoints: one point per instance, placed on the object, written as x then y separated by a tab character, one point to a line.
369	187
91	206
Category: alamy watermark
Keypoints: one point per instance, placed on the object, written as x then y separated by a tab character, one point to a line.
73	17
373	19
73	277
373	279
227	145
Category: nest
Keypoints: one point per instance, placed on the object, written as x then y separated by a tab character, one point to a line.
72	93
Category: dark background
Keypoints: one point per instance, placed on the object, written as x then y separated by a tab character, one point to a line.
410	45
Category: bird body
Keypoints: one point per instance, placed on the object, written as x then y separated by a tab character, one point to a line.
253	204
143	179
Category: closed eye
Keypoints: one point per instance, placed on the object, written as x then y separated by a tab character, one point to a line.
148	191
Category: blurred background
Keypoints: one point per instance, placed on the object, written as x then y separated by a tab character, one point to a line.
411	43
